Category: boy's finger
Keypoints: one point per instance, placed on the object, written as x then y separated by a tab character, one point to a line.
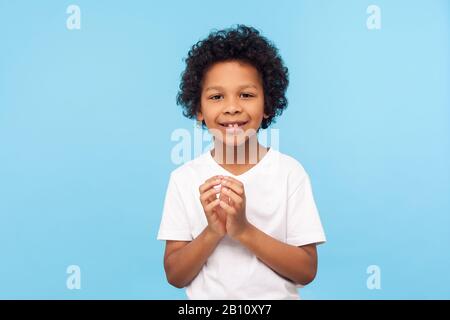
209	183
234	180
234	197
208	196
234	184
228	209
211	205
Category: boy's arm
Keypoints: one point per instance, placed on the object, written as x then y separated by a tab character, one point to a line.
183	260
298	264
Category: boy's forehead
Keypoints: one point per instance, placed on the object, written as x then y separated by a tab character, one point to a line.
239	86
231	74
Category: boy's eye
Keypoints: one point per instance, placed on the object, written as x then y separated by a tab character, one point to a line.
242	95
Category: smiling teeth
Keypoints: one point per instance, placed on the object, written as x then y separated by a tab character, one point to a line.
234	128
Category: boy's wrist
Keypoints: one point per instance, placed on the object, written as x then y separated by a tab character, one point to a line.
212	235
246	234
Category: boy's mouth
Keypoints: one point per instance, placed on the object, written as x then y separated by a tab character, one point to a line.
234	128
233	125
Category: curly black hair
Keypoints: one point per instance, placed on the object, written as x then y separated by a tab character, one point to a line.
241	43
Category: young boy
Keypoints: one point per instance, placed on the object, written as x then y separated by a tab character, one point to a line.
240	222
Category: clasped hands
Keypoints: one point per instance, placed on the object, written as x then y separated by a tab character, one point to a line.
223	201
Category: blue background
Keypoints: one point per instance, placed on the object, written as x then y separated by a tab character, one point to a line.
86	118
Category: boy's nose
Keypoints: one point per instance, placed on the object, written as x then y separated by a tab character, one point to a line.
232	107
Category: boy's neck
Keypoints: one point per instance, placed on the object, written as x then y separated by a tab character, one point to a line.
245	155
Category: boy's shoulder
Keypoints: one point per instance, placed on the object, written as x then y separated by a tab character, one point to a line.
293	171
289	163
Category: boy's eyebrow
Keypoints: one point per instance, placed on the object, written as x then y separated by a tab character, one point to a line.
219	88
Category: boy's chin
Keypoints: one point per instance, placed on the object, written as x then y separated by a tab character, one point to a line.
233	141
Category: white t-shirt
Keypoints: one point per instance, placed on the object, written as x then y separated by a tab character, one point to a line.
279	201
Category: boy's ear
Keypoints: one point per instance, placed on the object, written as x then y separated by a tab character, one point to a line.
265	116
199	116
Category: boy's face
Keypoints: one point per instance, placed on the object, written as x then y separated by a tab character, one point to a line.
232	101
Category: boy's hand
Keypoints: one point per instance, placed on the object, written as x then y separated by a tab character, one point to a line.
214	213
234	205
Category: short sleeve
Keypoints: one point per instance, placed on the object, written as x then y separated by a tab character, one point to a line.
303	221
174	222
